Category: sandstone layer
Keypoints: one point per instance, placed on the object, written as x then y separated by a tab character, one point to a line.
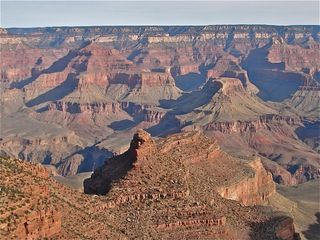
27	209
72	97
157	189
189	180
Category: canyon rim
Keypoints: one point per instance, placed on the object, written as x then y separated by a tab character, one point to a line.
159	131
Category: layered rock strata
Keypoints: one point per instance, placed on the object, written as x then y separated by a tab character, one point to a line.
188	179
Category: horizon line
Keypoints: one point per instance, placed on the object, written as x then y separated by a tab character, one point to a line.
164	25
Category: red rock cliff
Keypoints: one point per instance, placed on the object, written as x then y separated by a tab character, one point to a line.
27	211
252	190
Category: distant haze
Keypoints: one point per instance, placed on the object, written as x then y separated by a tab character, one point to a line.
93	13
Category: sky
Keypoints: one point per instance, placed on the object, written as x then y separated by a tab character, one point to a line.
105	13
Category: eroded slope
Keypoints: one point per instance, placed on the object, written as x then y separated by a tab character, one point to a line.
174	187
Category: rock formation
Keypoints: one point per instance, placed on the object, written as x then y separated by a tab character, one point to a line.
178	187
253	190
188	179
34	206
27	210
73	96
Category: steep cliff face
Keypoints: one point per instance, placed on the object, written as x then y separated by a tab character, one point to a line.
253	190
273	137
102	83
178	176
251	126
191	172
296	58
143	149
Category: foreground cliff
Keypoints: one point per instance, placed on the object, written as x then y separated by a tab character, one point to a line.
189	180
196	156
27	208
183	186
34	206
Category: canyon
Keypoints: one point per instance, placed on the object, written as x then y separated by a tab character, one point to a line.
230	115
158	188
72	97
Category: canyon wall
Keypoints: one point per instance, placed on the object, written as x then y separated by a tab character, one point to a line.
251	191
180	176
72	96
182	168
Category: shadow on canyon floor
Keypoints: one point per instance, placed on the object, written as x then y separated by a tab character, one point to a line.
313	232
57	93
190	81
57	66
187	102
122	125
273	82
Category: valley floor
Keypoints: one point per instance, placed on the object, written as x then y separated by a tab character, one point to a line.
302	203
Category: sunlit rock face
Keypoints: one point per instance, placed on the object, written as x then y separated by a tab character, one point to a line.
203	183
182	185
74	96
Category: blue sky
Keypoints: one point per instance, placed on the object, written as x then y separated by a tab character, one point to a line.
88	13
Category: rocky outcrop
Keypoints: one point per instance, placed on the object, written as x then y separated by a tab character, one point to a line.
27	211
93	108
142	146
168	186
102	83
285	229
174	170
251	191
277	227
38	224
136	198
251	126
200	222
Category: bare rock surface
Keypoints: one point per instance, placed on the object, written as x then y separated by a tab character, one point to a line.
178	186
189	180
72	97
